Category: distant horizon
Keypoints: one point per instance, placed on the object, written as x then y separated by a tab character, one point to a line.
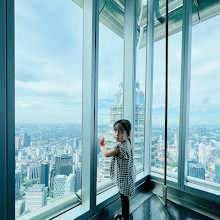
72	123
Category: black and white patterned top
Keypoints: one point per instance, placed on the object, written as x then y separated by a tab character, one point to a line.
122	170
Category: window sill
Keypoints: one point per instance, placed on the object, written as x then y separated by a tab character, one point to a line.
160	178
53	209
106	195
202	191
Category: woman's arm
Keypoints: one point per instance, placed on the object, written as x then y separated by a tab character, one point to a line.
108	153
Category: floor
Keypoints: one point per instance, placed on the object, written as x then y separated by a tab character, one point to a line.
153	209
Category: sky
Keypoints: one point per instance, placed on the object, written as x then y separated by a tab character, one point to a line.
48	67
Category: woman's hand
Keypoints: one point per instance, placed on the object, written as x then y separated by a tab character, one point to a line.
102	142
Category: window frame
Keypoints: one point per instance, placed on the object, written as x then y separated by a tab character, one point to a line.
90	104
182	182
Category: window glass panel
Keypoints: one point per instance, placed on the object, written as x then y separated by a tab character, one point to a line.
174	77
139	104
110	84
48	98
158	108
174	73
203	157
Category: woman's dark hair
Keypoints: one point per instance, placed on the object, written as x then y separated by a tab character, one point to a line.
125	124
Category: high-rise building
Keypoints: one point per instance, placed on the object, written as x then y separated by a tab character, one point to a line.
44	176
18	176
63	185
17	143
217	173
116	112
191	149
26	140
52	176
20	154
202	153
59	186
36	197
33	172
196	170
77	179
64	165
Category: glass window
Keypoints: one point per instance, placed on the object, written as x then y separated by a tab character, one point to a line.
110	84
174	73
203	150
158	106
174	78
48	97
139	109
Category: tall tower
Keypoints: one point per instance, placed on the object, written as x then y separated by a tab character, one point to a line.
44	176
18	176
64	165
116	113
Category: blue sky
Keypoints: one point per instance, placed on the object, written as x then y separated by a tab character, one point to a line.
48	53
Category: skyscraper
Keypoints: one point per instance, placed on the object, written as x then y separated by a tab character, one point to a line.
63	185
36	197
26	140
44	176
77	179
116	112
217	173
18	176
33	172
196	170
63	165
59	186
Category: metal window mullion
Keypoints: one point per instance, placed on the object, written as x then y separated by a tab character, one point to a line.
149	85
3	161
10	108
89	80
185	91
129	78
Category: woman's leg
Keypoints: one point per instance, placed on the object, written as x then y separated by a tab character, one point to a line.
125	206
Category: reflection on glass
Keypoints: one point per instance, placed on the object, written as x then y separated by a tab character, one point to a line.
204	121
110	85
48	78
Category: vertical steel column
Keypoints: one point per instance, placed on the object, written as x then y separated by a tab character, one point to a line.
129	80
149	84
185	90
3	155
90	80
10	106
